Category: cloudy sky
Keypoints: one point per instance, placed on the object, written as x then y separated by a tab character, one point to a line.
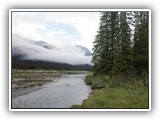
58	28
61	29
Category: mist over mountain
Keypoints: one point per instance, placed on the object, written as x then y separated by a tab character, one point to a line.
45	45
85	50
30	50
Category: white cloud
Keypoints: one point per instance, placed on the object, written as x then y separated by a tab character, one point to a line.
34	25
66	54
62	29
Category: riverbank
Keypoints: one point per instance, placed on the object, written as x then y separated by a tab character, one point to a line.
27	81
112	93
67	91
116	98
20	92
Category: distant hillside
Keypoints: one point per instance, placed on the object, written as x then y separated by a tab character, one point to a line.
28	64
25	50
45	45
85	50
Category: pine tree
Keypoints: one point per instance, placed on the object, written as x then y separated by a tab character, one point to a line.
101	47
114	52
123	54
140	48
103	44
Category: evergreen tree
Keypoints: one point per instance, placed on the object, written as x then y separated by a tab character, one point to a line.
103	44
114	52
123	54
140	48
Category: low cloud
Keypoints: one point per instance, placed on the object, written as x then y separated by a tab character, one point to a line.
66	54
58	28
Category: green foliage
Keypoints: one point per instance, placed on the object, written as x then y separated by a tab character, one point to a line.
122	80
120	63
88	79
119	92
140	48
118	50
117	98
103	44
99	82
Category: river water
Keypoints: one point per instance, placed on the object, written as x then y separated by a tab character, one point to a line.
67	91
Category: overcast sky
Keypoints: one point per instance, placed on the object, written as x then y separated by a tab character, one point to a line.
57	28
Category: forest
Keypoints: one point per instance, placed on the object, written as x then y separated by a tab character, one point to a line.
119	49
120	72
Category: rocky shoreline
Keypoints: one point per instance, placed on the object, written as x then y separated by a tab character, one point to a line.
19	92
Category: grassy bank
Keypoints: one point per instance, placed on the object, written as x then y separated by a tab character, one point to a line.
116	92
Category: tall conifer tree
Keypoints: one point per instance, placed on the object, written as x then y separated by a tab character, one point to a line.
114	52
123	54
140	48
103	44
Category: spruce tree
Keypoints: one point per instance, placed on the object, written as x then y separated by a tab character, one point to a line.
114	52
103	44
122	54
140	48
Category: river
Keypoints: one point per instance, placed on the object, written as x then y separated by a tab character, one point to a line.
67	91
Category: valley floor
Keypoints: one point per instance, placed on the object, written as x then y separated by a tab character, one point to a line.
27	81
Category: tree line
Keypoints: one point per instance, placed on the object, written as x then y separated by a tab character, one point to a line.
121	43
29	64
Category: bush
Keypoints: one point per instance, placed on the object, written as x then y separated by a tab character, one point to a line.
99	82
96	82
135	96
123	80
117	98
88	79
120	91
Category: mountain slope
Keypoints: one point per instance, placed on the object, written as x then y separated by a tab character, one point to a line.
45	45
29	54
85	50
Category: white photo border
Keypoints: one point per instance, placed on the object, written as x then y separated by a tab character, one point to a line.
74	10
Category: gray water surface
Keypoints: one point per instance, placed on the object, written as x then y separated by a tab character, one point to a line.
67	91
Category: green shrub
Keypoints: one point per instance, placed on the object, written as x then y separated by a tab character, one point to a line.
96	82
88	79
121	91
118	97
